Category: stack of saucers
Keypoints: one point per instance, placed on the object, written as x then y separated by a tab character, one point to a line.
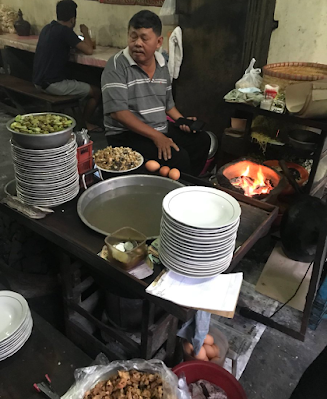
46	177
16	323
198	231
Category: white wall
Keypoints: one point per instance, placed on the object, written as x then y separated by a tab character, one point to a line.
108	21
302	32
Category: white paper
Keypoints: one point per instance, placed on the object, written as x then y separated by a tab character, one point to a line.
218	293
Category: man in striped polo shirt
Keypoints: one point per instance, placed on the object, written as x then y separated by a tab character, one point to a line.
137	97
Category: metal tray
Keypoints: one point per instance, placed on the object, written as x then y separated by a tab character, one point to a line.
126	201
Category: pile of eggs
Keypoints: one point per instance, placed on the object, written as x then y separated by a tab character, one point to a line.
208	352
154	166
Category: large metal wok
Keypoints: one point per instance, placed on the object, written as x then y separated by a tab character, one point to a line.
126	201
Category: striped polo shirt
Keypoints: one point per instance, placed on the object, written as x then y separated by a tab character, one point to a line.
125	86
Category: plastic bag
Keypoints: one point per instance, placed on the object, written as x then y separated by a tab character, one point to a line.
251	77
86	378
168	8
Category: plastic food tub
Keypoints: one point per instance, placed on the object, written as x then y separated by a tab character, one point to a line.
196	370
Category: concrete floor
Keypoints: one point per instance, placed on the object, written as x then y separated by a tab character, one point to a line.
278	361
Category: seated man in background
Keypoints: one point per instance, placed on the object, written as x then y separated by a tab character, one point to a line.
52	55
137	97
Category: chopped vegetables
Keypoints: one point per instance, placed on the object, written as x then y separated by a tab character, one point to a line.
117	158
40	124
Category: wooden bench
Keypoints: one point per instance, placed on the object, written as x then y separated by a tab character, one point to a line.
14	87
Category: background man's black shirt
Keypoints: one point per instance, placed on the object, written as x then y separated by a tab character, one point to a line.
52	53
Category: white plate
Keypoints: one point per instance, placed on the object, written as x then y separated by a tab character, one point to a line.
202	207
189	274
123	171
13	310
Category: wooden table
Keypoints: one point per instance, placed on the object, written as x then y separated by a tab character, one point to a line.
66	230
99	57
47	351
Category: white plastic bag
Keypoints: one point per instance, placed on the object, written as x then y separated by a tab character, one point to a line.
86	378
168	8
251	77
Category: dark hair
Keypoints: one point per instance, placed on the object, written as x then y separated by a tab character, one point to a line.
66	9
146	19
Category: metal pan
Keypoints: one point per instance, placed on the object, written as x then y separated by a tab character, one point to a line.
126	201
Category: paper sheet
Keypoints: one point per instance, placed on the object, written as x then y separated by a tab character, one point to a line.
219	293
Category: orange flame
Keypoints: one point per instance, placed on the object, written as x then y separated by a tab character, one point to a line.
253	185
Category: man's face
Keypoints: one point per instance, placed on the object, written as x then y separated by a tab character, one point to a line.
142	44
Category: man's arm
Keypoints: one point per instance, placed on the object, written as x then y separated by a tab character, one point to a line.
162	142
85	46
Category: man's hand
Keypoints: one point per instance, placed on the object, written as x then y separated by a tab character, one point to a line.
84	29
164	145
185	128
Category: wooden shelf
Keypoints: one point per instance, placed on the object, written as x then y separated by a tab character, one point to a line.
319	124
317	186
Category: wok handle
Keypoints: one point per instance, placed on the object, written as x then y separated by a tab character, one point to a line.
89	172
289	176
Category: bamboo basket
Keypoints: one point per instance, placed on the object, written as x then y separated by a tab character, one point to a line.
287	73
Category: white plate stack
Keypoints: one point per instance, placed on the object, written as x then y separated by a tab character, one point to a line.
46	177
198	231
16	323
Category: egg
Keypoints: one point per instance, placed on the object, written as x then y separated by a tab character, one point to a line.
152	166
164	171
216	349
174	174
209	340
215	360
201	355
188	348
210	351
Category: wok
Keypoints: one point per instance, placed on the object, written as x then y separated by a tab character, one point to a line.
302	223
125	201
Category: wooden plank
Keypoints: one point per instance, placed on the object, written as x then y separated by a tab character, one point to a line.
27	88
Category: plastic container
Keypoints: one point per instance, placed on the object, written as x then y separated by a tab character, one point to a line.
129	259
196	370
238	124
85	165
84	152
220	340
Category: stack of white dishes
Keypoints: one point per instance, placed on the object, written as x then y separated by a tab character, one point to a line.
198	231
46	177
16	323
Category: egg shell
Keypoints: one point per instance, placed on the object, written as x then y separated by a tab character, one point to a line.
201	355
188	348
216	349
152	166
174	174
209	340
215	360
164	171
210	351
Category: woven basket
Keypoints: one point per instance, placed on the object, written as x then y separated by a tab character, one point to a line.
287	73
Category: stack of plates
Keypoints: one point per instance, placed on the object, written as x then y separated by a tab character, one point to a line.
15	323
46	177
198	231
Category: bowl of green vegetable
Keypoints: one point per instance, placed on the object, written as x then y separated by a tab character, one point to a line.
40	131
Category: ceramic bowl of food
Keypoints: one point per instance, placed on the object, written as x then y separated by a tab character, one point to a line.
40	131
118	160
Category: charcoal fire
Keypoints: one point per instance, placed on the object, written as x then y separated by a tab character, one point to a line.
253	185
